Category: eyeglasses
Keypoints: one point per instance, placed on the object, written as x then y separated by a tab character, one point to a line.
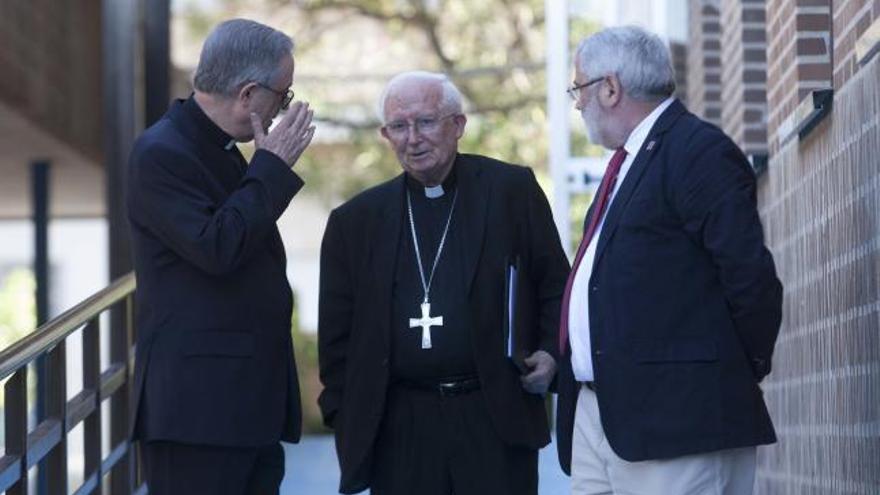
422	125
574	91
286	95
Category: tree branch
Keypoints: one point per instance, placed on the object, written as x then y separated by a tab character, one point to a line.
374	124
358	7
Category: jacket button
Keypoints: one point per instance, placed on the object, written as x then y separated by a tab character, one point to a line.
598	352
594	288
385	362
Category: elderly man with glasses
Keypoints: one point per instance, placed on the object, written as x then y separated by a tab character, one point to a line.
439	305
672	309
215	379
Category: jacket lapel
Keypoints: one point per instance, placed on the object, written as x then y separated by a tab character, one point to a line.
634	175
474	196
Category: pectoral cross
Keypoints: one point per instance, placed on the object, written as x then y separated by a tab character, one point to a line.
426	322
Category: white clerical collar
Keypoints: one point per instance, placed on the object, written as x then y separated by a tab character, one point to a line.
434	192
638	135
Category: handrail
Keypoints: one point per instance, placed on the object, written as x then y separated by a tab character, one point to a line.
45	443
47	336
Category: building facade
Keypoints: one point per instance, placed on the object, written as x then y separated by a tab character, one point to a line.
798	86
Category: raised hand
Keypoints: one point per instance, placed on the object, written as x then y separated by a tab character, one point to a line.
290	137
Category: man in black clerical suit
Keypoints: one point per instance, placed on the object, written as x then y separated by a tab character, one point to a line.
413	303
215	380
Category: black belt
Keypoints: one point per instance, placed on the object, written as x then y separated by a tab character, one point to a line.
589	385
445	388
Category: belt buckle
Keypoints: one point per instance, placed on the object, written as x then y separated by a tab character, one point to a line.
449	389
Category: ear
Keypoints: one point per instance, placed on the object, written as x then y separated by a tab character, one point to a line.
246	94
384	133
611	92
460	121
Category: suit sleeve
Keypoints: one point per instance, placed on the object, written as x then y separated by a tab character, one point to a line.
715	196
549	267
335	309
167	196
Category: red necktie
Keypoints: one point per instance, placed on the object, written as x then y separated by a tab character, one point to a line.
601	203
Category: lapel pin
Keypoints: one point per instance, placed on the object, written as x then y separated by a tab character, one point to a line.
650	145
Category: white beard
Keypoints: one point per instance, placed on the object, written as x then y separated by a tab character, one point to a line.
591	126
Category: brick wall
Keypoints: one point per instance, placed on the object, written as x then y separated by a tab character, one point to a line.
704	60
744	74
820	204
50	54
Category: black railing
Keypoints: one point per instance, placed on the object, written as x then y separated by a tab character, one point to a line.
46	443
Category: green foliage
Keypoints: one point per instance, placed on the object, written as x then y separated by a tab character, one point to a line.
347	49
17	306
17	311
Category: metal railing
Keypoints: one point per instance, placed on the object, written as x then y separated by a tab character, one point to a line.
46	443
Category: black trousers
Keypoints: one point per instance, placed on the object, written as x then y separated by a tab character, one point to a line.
172	468
433	445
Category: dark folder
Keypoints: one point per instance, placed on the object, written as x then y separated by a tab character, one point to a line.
516	345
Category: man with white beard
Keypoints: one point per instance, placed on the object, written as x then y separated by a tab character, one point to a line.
672	308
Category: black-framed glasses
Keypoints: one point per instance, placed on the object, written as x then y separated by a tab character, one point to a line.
286	96
574	90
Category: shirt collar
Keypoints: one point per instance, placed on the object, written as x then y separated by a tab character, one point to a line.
448	183
638	135
211	131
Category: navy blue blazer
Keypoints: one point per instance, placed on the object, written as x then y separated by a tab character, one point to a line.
214	361
685	305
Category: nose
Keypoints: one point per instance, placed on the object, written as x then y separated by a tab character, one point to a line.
412	133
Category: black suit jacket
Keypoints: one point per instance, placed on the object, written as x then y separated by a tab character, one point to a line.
685	305
503	214
214	361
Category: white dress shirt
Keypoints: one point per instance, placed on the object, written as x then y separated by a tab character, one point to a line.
578	306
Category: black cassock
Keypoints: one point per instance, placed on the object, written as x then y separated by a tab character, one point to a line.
214	369
396	433
449	356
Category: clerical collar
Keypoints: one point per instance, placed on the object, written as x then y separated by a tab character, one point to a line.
211	131
434	192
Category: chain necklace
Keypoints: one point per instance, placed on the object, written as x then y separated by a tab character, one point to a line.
427	321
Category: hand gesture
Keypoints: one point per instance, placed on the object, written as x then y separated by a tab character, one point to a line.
290	137
543	368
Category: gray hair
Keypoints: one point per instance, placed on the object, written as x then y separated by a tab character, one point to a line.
237	52
638	58
451	95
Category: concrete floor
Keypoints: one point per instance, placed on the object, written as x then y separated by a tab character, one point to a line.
312	469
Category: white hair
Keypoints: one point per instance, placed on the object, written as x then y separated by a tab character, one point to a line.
452	100
638	58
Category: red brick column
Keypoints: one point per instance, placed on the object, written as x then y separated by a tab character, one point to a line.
799	57
704	60
744	74
851	19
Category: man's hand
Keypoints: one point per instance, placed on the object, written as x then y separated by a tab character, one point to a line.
543	369
290	137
